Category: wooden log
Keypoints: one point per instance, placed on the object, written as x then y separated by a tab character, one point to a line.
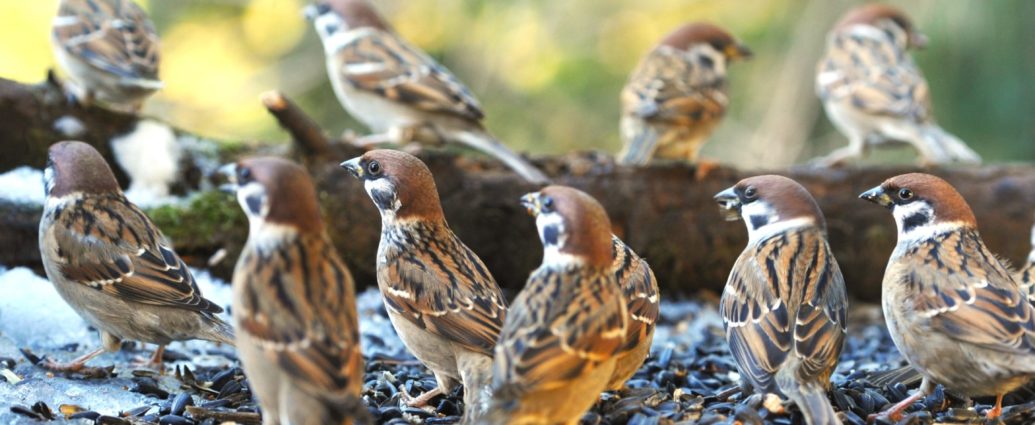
664	211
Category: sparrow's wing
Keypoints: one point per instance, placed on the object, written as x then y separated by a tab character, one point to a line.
440	285
298	302
668	87
555	335
380	62
863	66
640	288
964	292
113	35
108	244
760	298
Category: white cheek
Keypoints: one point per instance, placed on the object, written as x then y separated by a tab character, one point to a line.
383	186
48	179
552	248
253	190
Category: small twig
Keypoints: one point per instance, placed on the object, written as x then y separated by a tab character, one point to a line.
306	133
200	414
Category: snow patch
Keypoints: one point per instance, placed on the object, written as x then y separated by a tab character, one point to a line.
150	156
24	185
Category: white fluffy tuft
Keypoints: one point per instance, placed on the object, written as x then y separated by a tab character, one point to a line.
150	156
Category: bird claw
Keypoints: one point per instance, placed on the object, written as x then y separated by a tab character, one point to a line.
419	401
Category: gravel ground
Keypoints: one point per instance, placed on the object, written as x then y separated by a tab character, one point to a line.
689	378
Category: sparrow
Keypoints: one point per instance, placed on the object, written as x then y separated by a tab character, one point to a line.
784	307
112	265
109	50
640	291
294	300
874	93
955	312
676	96
440	297
397	90
560	343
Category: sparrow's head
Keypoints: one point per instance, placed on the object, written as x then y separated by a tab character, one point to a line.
335	16
769	204
921	203
400	185
274	190
77	167
892	20
703	33
572	225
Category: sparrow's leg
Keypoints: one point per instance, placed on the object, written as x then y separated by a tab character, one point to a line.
423	399
997	410
154	362
895	412
72	366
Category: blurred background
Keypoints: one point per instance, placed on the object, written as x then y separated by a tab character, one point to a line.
548	73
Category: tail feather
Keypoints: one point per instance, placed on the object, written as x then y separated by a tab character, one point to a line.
954	148
810	397
486	143
640	144
219	331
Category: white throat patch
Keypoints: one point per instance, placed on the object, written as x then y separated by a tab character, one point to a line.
554	236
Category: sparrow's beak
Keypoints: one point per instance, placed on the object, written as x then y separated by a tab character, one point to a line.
353	167
229	172
729	204
917	40
533	203
738	51
877	196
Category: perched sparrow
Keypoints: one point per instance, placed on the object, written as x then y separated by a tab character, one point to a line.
559	345
785	304
874	93
397	90
677	94
294	302
109	49
954	311
440	297
112	265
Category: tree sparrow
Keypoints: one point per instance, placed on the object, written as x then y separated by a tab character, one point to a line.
397	90
112	265
874	93
953	309
440	297
785	303
677	94
109	49
294	302
559	345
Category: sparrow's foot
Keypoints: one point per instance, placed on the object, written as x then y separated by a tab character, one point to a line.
423	399
78	366
895	412
153	363
997	410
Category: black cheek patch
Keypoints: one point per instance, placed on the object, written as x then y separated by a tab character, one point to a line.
915	220
550	235
758	221
254	203
383	199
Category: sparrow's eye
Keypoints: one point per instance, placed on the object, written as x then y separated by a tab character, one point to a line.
548	205
374	168
244	175
750	193
905	194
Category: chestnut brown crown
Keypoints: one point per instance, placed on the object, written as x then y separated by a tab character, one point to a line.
787	197
703	32
357	13
414	184
78	167
586	223
947	203
289	191
874	13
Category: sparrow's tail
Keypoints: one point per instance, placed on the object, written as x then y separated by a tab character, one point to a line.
218	331
484	142
954	148
810	397
640	142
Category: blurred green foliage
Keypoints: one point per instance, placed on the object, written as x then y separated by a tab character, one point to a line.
548	72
